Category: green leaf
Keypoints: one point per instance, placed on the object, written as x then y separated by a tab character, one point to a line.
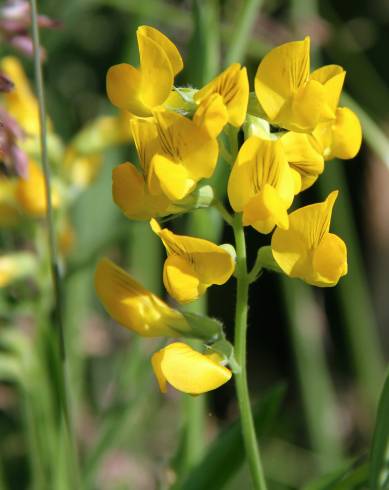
226	454
379	456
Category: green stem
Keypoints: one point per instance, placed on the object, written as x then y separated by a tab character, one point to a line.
248	430
46	173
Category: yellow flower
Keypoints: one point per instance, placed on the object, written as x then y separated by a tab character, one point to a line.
292	97
140	90
180	156
193	264
340	138
133	306
188	370
261	184
304	158
233	87
20	102
31	194
308	250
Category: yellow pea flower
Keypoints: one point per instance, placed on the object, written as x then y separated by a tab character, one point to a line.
261	184
20	102
340	138
182	154
292	97
140	90
193	264
307	250
233	87
30	192
133	306
187	370
304	158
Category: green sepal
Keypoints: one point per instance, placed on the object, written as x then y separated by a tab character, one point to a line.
226	350
266	260
203	327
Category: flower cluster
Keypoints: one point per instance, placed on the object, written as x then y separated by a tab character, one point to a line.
292	124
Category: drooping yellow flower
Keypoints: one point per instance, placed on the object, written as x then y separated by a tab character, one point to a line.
304	158
20	102
340	138
292	97
31	194
140	90
133	306
187	370
182	154
307	250
261	184
192	265
233	87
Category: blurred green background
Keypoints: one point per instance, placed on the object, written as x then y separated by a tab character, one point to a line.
324	350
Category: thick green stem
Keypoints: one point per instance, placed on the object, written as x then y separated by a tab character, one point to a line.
248	429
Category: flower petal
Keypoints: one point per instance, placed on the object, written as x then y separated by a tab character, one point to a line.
130	194
157	74
187	370
306	109
303	157
180	280
346	135
266	210
123	89
131	305
211	115
330	260
280	74
166	44
233	86
174	179
332	78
